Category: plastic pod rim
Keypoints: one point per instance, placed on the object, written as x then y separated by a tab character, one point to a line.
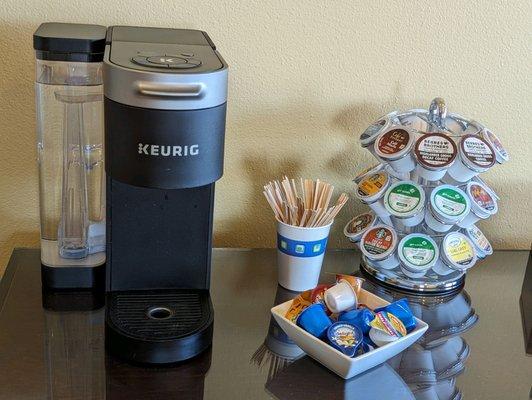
465	159
485	251
419	159
355	237
419	207
416	268
368	171
404	152
449	262
439	215
369	199
385	254
476	209
384	121
501	155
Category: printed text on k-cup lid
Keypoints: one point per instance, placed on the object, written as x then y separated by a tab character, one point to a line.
393	141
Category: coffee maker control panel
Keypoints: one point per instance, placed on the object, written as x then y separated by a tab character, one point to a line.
182	52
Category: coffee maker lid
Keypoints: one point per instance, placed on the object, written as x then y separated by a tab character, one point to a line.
57	41
163	68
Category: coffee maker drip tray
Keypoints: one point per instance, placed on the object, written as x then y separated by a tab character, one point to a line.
159	326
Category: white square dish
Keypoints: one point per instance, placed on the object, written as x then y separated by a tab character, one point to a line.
339	363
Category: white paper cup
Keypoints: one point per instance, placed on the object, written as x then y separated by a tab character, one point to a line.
300	253
340	297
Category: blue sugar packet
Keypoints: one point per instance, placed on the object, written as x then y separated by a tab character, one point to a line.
401	310
360	318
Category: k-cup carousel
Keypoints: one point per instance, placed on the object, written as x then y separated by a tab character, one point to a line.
426	198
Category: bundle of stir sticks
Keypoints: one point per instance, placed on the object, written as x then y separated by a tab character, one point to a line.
308	208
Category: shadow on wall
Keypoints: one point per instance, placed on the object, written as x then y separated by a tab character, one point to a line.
250	222
18	176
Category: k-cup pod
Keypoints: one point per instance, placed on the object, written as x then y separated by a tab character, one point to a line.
481	181
356	227
344	337
361	318
314	320
300	252
368	171
481	242
475	155
368	137
394	146
370	191
457	253
378	245
448	206
418	253
501	155
402	176
340	297
415	118
483	204
434	154
405	201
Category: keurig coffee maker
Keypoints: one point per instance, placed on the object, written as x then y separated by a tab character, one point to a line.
165	96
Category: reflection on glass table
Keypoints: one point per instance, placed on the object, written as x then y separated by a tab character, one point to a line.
426	370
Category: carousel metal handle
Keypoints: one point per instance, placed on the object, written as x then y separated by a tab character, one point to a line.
438	112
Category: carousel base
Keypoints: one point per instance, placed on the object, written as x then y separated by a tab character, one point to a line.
430	284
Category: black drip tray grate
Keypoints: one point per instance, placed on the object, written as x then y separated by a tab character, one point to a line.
161	314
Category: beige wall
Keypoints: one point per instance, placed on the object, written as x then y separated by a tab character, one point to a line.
305	78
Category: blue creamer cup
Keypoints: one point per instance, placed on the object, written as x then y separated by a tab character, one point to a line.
360	318
345	337
314	320
401	310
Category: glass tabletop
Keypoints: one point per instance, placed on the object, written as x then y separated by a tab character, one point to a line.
53	345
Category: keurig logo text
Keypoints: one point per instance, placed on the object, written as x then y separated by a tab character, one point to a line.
168	151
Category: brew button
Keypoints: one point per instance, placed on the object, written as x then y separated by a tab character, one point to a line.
166	60
142	61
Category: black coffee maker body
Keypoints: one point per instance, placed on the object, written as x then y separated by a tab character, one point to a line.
165	94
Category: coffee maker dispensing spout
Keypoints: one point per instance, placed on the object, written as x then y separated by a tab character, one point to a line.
165	94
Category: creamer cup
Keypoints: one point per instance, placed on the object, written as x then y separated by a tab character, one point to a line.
370	134
378	245
448	206
370	191
457	254
501	155
481	242
370	170
394	146
483	204
418	253
356	227
434	153
340	297
405	202
476	155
